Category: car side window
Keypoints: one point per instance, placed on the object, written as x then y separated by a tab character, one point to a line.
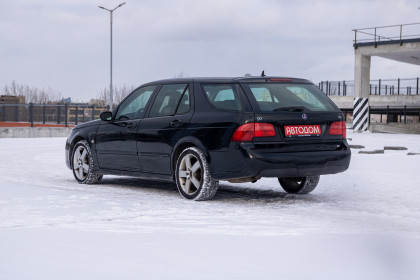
184	105
171	100
133	107
223	96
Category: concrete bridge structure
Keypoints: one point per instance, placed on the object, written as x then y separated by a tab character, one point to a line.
402	48
391	42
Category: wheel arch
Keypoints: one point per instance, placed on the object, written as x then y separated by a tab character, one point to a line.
184	143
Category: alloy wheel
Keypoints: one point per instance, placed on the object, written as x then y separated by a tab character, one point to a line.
81	163
190	174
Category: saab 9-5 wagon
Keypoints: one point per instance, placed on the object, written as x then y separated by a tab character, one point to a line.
199	131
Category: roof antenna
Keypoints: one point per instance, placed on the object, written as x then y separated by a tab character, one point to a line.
262	74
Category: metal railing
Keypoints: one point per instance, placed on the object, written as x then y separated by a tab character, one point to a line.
388	114
49	114
398	86
399	114
386	34
339	88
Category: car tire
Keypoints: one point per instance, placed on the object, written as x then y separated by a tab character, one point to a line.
192	176
299	185
83	164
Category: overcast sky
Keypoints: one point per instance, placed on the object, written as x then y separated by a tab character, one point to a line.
64	44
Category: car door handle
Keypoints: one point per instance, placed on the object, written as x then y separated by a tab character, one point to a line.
175	123
131	125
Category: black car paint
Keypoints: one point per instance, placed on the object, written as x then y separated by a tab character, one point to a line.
147	147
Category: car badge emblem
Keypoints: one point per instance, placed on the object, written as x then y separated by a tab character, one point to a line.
304	116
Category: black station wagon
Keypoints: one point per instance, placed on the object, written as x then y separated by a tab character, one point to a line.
198	131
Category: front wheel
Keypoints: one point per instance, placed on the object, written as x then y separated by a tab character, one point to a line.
83	164
299	185
193	178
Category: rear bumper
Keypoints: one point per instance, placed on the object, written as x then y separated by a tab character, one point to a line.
246	162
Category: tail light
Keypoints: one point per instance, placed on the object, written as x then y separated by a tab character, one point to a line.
248	131
338	128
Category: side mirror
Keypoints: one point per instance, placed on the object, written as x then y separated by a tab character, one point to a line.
106	116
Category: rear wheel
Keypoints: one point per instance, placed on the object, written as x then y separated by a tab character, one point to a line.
299	185
83	164
193	178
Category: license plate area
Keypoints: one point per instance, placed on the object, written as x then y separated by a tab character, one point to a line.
302	130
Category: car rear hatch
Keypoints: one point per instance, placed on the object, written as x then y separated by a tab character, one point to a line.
296	134
304	119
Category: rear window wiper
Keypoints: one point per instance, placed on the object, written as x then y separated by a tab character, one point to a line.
290	109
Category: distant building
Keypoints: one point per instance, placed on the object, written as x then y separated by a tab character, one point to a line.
50	113
97	102
11	111
10	99
66	100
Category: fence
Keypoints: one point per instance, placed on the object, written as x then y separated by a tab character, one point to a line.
377	87
343	88
394	114
388	114
386	34
56	114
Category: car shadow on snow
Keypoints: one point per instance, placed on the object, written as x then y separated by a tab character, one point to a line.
226	193
243	192
134	183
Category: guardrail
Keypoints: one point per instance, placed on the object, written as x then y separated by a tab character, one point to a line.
410	86
386	34
60	114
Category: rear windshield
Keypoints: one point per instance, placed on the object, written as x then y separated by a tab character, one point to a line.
289	97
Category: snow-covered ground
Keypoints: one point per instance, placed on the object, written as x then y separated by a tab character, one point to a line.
360	224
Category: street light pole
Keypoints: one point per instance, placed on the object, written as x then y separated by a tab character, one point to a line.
110	86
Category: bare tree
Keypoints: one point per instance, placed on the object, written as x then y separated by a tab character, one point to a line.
119	93
32	94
